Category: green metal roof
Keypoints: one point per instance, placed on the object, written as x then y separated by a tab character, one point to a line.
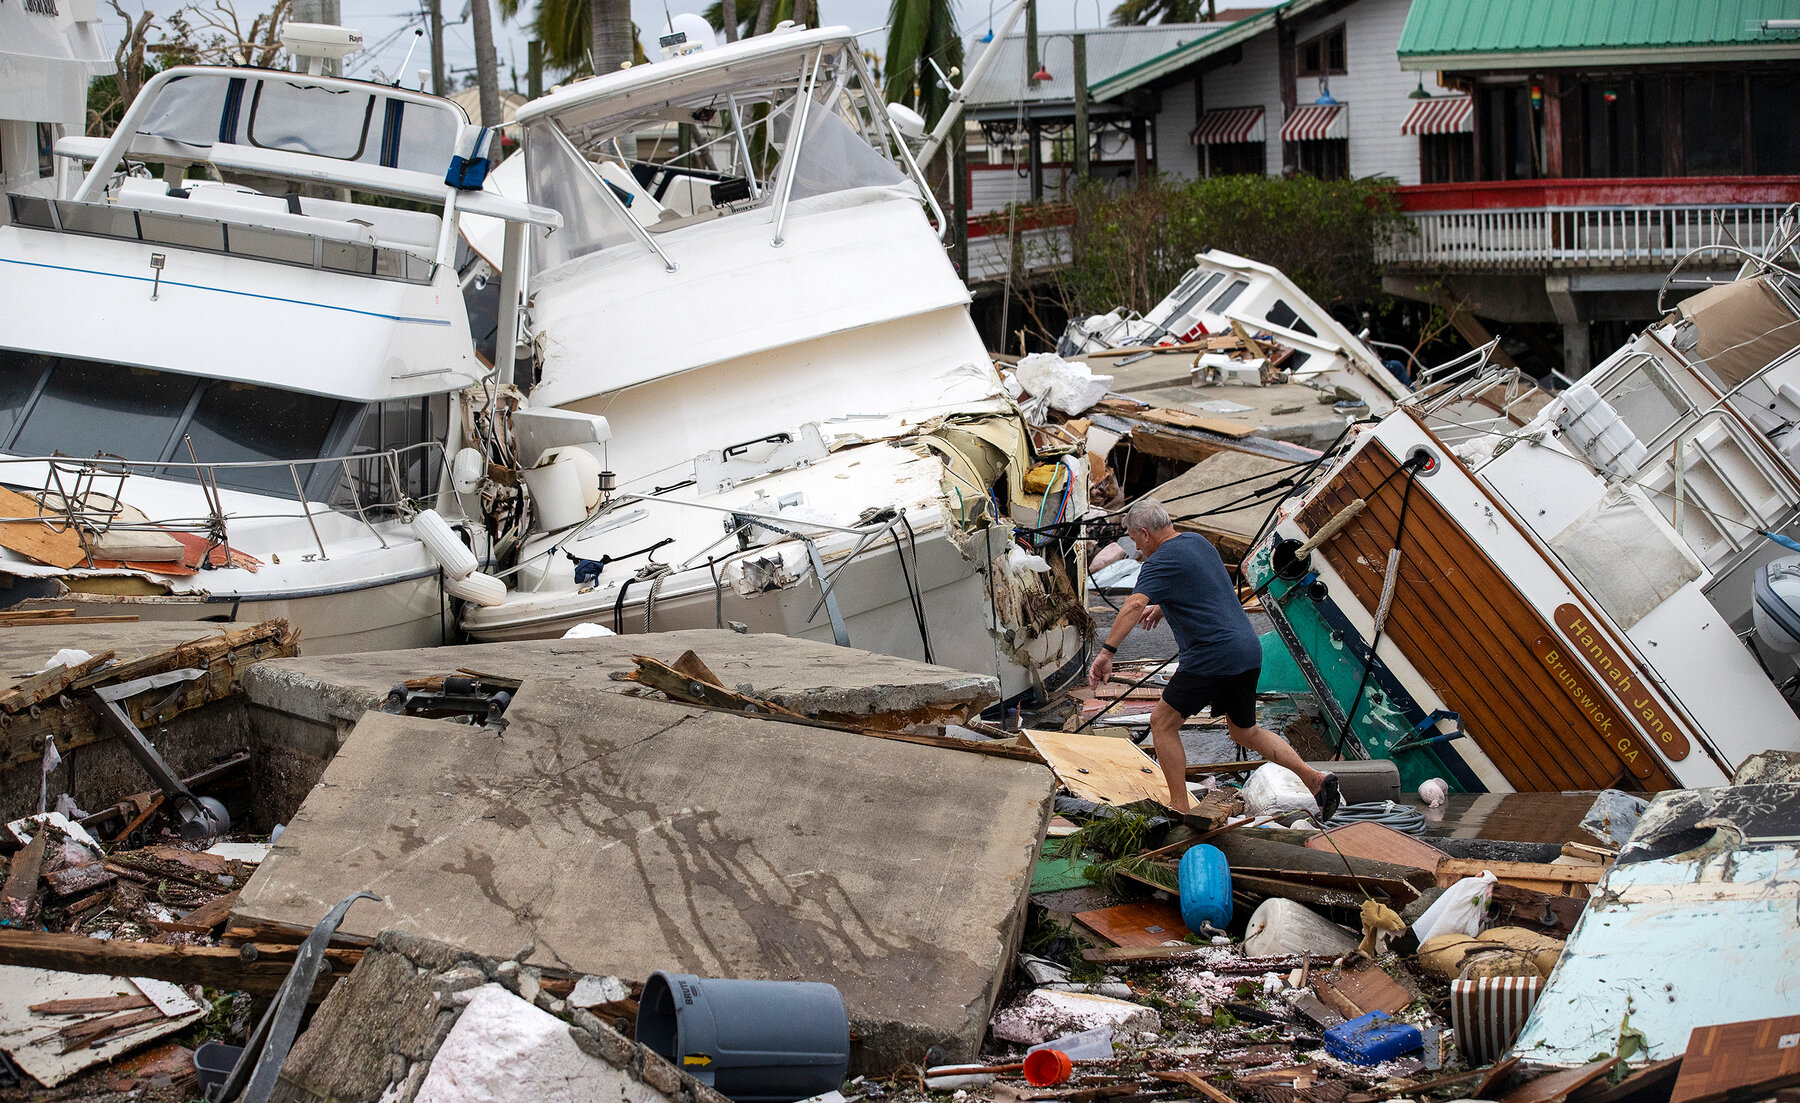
1182	56
1488	34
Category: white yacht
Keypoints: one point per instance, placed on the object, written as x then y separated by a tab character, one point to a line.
1510	590
49	52
228	389
808	436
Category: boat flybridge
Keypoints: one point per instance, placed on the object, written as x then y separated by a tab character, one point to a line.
1598	590
49	52
808	435
228	389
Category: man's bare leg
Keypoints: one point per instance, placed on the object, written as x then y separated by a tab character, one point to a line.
1271	747
1165	736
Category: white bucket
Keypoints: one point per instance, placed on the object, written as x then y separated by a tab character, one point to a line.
557	493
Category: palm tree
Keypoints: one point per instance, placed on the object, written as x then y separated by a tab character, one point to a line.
1142	13
921	31
565	29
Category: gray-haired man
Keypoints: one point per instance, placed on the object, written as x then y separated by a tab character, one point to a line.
1184	581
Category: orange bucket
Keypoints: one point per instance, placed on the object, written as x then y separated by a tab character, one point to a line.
1044	1067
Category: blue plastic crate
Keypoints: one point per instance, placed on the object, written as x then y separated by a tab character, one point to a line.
1372	1039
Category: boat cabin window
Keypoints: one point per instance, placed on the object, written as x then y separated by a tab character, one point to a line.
711	142
409	426
345	120
1285	316
1228	296
83	408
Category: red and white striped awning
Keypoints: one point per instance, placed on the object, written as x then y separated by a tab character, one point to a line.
1230	125
1316	121
1441	115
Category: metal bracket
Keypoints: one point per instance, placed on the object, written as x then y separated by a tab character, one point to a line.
201	817
841	633
1423	733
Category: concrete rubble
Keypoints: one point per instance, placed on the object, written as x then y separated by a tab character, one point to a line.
548	824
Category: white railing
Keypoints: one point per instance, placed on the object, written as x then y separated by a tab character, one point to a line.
1039	250
1580	237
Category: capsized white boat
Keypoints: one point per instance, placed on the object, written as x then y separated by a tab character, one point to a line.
808	436
1223	288
230	400
1594	590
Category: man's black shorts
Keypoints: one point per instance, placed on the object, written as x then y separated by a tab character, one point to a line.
1234	695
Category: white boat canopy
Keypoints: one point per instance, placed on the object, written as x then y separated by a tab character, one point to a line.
48	53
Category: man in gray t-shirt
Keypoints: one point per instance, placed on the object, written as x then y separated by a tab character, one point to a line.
1184	581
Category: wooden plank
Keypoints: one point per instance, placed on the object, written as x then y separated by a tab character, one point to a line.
212	966
88	1031
1739	1060
1182	419
1557	1086
1144	924
678	686
1654	1075
1379	842
117	618
206	918
1129	954
1172	444
19	894
1101	769
46	684
1528	875
1495	1074
1197	1080
1356	992
23	532
90	1004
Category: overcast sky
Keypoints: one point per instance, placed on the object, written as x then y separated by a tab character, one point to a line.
386	27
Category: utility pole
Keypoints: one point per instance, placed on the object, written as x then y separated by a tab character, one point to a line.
435	15
1031	45
534	61
487	66
321	11
1079	44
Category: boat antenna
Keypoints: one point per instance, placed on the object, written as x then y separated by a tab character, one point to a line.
418	33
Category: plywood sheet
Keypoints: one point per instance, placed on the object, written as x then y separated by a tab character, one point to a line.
1353	993
1733	1059
1181	419
31	1039
1193	492
1147	923
1557	1086
36	538
1380	843
1100	768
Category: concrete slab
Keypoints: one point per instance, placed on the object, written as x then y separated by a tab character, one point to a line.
616	835
817	679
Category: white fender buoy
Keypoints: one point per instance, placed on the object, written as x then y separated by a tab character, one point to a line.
477	589
443	543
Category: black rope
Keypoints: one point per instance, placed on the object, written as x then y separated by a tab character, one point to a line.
1299	480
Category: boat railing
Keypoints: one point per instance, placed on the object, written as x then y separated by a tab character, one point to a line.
87	495
1455	379
324	252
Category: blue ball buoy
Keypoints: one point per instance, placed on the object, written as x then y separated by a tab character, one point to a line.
1205	878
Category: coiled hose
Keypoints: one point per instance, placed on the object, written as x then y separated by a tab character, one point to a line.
1400	817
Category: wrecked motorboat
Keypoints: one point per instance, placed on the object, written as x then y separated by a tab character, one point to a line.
227	399
807	435
1223	293
1583	592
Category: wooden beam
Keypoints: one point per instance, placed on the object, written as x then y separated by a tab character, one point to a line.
213	966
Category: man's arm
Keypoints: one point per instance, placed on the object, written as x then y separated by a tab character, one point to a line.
1129	615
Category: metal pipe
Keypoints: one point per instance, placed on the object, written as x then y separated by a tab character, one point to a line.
953	111
790	159
506	338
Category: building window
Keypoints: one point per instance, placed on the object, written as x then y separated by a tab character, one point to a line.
1510	132
1446	158
1621	128
1236	159
1323	55
1774	140
1712	125
1327	159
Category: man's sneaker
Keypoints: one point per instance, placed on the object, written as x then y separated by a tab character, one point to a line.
1330	798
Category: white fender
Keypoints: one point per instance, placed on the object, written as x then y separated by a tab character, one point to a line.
477	589
445	546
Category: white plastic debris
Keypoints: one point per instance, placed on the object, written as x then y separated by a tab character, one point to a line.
1067	386
68	656
1089	1045
1044	1015
1433	792
1275	790
248	853
587	630
1018	559
23	829
1119	575
1461	910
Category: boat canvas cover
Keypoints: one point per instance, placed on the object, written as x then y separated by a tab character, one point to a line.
1625	557
47	58
343	120
1742	328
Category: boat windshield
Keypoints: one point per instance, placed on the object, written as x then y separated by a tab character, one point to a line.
51	405
706	144
342	120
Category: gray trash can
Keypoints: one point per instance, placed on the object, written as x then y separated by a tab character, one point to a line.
756	1041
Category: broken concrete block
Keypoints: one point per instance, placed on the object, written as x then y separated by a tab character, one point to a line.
504	1049
591	991
1044	1015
